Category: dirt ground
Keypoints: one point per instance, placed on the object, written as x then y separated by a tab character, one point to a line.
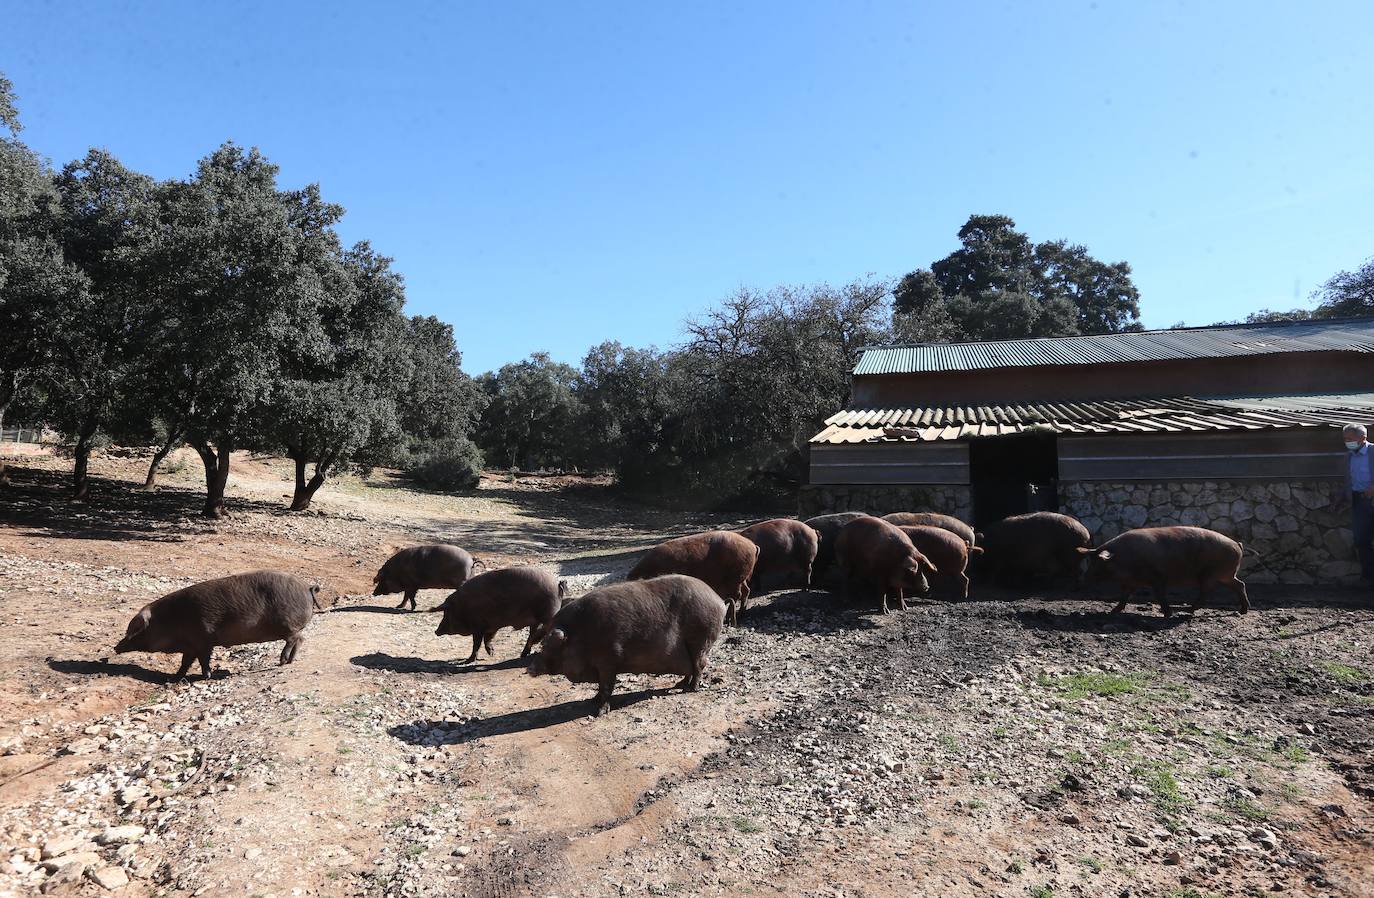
1021	743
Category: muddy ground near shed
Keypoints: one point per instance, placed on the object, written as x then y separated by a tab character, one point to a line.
1022	743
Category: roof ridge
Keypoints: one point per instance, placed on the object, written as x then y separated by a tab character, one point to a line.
1240	325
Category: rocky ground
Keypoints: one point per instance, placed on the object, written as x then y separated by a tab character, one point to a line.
1022	743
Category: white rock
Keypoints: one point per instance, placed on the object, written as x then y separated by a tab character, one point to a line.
59	847
109	877
119	835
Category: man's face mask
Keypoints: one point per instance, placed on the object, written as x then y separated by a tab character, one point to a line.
1352	445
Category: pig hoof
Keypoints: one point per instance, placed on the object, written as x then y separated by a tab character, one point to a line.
601	709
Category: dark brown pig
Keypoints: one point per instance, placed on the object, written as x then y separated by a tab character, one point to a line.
515	597
827	527
947	551
423	567
1043	544
260	606
787	549
872	551
721	559
1160	557
932	519
664	625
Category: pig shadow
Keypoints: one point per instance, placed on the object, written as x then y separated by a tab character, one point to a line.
1106	622
374	609
811	610
408	664
108	669
422	732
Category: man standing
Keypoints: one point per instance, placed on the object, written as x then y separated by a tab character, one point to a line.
1360	476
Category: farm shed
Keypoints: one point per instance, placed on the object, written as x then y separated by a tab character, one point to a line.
1235	428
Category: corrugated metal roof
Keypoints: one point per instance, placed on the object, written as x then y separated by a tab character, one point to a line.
1150	415
1350	335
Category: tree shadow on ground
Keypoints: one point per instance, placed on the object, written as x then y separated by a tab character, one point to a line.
39	499
422	732
409	664
82	667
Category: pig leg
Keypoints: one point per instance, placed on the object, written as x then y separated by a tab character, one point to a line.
476	644
886	610
690	682
205	661
901	600
743	595
1126	593
186	660
732	612
535	632
408	596
961	579
603	694
1202	585
288	652
487	641
1238	587
1161	591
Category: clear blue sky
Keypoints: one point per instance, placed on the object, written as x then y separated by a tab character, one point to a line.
551	174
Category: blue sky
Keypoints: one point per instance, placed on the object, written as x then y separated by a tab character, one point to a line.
548	175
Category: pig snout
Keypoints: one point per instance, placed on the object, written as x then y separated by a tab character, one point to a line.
538	666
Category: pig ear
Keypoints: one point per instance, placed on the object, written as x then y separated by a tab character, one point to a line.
930	565
1104	554
139	623
555	638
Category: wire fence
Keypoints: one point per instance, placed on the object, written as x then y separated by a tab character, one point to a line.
21	435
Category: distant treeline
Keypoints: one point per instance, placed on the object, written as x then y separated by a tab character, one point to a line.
222	312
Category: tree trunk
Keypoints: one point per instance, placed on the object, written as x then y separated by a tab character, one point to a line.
305	489
81	483
150	482
216	462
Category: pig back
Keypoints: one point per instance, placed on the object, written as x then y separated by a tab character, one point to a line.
781	542
654	626
509	597
721	559
1179	555
945	549
871	547
259	606
429	567
1027	538
932	519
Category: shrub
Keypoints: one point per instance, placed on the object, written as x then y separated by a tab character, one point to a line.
453	464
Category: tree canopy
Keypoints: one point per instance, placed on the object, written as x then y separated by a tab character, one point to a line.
999	285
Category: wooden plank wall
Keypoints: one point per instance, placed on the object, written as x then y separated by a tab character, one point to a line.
945	462
1269	455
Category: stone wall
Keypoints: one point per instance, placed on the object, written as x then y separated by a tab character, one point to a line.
1301	528
955	499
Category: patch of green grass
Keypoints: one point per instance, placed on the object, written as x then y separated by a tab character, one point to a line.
1159	778
1041	891
1190	893
999	732
1117	747
1092	863
344	750
1081	685
1220	771
949	743
1344	674
1076	757
1244	807
1295	753
1291	792
415	850
745	825
1016	867
974	804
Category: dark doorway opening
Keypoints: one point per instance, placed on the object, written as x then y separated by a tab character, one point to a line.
1013	475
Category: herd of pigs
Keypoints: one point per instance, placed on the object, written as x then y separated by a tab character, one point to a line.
666	615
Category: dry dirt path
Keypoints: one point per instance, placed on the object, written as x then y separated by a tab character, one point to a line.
1014	745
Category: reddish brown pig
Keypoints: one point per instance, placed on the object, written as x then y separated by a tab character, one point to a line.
721	559
827	527
931	519
1043	543
515	597
423	567
873	551
787	549
947	551
1160	557
260	606
664	625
